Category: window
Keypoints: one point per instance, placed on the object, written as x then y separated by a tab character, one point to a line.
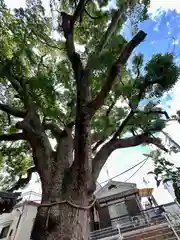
105	220
132	207
118	210
4	232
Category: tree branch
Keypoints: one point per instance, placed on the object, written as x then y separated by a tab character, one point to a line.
12	111
17	82
126	120
103	154
124	123
158	112
110	108
92	17
98	143
23	181
116	70
111	28
55	130
12	137
81	76
79	9
6	71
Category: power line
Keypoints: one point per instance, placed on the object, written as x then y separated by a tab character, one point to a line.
144	160
137	170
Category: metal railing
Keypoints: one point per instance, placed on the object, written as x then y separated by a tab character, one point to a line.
146	219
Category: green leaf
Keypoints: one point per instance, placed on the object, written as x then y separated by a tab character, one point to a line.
35	70
12	130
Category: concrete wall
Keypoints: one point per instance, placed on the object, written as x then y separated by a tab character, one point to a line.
173	212
11	220
20	220
26	223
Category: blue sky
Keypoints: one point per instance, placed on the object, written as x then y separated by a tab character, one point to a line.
163	29
163	34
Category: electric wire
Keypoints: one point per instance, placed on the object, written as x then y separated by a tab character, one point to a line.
124	171
137	170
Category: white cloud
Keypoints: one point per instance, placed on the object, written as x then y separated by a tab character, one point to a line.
22	3
174	103
175	42
157	6
15	4
177	60
156	28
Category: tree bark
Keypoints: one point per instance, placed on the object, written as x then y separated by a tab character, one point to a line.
63	222
64	212
64	216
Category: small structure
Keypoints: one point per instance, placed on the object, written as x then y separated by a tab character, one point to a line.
19	222
117	214
121	215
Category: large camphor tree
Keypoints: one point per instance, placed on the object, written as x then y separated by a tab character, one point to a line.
71	95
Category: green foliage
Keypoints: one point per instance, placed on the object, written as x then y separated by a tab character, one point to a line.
162	72
15	160
33	55
165	171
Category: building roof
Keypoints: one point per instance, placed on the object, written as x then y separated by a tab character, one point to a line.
111	182
114	187
118	195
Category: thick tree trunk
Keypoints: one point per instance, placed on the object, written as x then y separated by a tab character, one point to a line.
61	222
68	224
63	213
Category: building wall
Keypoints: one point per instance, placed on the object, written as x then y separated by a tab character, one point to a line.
173	212
118	212
10	219
26	223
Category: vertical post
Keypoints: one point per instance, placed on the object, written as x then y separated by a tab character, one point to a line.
154	201
120	237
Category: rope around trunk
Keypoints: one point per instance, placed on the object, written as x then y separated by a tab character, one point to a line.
69	203
48	205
